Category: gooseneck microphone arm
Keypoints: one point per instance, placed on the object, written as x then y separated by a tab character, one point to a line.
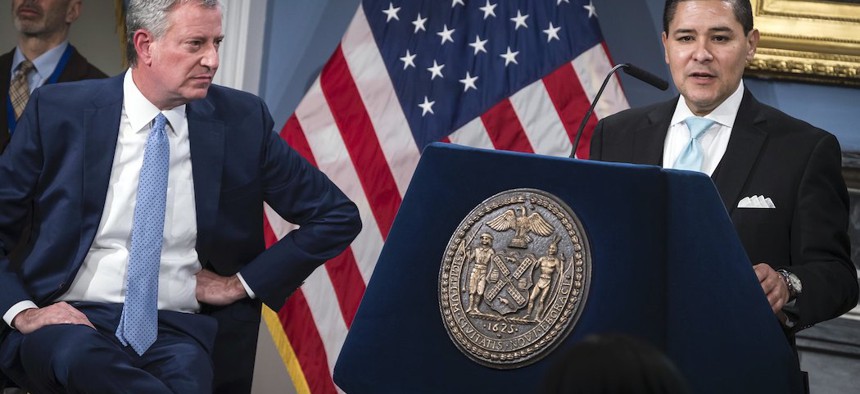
591	109
645	76
631	70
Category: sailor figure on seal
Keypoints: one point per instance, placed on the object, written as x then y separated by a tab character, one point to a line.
481	256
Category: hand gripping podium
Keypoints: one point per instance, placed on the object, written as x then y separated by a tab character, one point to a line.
666	267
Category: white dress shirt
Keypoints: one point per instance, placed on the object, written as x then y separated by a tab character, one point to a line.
102	277
713	142
45	65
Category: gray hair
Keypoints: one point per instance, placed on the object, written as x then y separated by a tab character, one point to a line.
152	15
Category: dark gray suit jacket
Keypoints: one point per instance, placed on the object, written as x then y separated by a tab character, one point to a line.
78	68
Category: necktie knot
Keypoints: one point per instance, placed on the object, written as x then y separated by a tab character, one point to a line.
691	157
19	88
159	123
698	126
24	68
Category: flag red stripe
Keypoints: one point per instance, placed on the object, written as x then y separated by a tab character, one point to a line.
504	128
360	139
343	270
347	282
268	234
571	102
307	343
295	137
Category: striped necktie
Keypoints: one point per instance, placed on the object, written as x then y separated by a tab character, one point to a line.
19	88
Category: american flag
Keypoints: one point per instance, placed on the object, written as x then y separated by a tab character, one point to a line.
497	74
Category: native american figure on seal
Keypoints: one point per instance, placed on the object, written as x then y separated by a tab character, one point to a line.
548	264
481	256
523	225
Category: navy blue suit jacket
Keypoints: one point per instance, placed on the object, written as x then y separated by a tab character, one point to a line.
58	166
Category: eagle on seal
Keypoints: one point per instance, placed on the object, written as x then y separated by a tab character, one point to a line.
522	224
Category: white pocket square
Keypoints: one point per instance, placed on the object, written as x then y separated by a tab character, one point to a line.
756	202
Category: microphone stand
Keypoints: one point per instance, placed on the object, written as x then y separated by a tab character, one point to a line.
631	70
591	109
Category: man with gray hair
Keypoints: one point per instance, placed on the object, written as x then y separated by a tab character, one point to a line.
146	260
43	55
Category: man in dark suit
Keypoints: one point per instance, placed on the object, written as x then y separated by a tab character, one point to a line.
43	32
147	194
779	178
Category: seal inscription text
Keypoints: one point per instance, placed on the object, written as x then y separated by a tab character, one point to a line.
514	278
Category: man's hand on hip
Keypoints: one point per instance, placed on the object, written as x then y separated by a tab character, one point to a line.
219	290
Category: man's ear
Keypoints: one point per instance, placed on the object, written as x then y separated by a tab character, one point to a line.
665	39
143	41
752	42
73	12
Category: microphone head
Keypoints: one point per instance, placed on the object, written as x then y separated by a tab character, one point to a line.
645	76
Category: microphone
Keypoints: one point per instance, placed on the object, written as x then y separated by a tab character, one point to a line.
634	72
645	76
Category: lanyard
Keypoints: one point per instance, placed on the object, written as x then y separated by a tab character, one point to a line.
61	65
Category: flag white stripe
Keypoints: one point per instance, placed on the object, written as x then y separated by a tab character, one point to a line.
472	134
591	67
540	120
319	293
326	143
377	92
279	226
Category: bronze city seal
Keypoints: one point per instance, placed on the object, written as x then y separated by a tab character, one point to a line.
514	278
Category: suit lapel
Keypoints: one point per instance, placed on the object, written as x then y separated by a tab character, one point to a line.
747	139
650	137
206	136
5	80
100	131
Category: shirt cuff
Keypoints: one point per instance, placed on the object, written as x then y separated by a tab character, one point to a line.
788	315
245	285
16	309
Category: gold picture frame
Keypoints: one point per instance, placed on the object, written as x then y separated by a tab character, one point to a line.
807	40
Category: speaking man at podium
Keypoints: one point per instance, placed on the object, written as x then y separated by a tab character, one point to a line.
778	177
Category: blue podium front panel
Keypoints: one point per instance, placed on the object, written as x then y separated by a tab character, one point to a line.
398	341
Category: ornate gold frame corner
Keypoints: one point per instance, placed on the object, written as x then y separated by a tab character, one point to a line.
807	40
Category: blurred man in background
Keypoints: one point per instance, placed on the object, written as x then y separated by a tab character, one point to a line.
43	55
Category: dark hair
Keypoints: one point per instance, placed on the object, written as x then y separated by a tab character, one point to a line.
610	364
742	9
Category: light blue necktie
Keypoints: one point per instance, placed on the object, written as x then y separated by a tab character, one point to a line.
138	326
691	157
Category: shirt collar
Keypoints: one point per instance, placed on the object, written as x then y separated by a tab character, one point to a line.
45	64
724	114
141	112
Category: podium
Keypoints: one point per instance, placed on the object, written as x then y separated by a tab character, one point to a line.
666	267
